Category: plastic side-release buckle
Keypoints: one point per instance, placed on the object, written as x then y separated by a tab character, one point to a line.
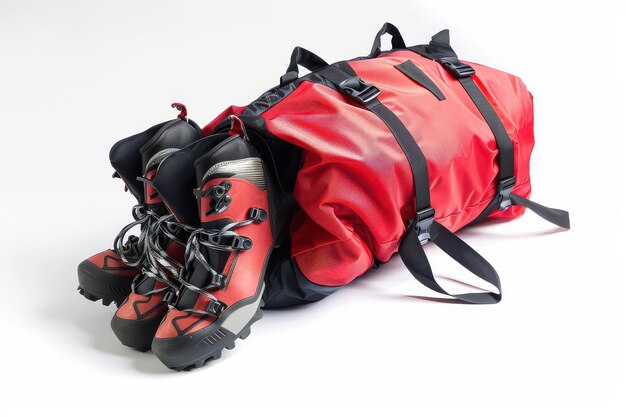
456	68
505	188
423	221
359	90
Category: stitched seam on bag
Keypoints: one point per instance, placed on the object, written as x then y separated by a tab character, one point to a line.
327	244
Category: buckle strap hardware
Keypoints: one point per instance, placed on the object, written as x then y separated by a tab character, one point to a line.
217	280
505	188
235	242
221	199
359	90
423	221
215	308
456	68
136	281
257	214
170	297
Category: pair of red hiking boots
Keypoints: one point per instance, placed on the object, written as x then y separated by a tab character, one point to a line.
192	282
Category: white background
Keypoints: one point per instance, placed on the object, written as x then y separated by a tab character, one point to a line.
77	76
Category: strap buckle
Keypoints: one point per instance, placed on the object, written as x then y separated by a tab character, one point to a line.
257	214
170	297
456	68
423	221
235	242
505	188
217	280
215	308
359	90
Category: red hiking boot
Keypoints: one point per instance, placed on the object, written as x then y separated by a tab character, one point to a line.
137	319
222	285
109	274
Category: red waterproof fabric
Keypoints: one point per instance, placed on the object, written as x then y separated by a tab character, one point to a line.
355	186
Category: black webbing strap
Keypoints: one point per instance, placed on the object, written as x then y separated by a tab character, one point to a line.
504	194
365	94
463	73
439	49
417	262
411	70
555	216
423	227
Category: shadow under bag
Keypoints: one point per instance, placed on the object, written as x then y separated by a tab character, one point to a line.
383	153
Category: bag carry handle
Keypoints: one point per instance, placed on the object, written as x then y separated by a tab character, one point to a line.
304	57
396	39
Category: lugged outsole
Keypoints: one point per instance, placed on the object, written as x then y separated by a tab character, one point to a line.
95	284
93	297
230	344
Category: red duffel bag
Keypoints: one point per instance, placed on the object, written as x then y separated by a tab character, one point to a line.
383	153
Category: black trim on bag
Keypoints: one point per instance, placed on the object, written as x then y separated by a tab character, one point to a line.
412	71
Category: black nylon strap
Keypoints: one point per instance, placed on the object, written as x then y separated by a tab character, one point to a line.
411	70
505	145
555	216
304	57
417	160
504	197
396	39
414	257
423	227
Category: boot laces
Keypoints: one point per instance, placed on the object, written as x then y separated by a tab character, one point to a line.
132	252
158	264
206	238
212	240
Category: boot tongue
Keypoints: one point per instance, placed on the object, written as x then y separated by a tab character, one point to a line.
221	163
176	179
175	136
131	156
168	141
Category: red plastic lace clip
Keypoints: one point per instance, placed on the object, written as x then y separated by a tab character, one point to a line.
182	109
237	127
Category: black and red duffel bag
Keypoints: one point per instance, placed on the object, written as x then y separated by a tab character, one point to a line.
382	153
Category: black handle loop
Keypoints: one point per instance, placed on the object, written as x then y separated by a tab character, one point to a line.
396	39
414	257
304	57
